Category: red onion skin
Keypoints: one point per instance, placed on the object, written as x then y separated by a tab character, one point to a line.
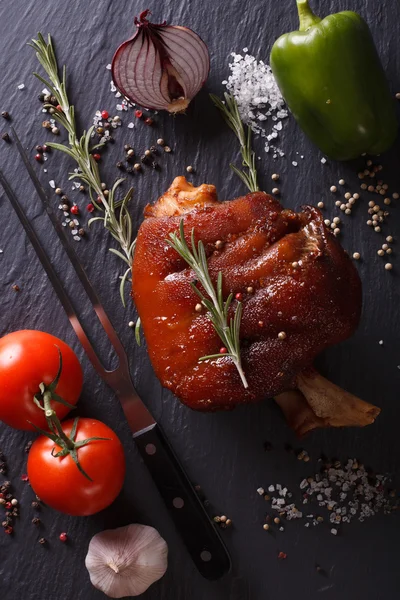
141	22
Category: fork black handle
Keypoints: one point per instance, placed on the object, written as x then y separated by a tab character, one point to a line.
199	534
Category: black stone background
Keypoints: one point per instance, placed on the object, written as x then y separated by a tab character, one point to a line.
221	452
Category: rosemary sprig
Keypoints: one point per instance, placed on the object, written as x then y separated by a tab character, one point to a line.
116	218
218	308
230	113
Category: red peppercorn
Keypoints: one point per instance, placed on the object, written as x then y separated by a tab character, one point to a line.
75	209
138	114
63	536
99	200
24	477
1	495
90	207
58	107
223	350
239	296
38	157
8	529
149	121
282	555
8	505
104	114
97	157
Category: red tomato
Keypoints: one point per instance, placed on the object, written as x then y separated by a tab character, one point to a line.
59	483
28	358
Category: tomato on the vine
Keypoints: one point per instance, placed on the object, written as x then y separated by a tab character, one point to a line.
58	481
27	359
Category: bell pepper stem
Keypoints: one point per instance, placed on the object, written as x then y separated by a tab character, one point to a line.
306	15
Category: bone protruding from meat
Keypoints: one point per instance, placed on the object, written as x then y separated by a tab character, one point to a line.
320	403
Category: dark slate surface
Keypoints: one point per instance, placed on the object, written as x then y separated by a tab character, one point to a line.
222	452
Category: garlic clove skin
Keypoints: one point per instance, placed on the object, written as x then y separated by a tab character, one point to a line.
127	560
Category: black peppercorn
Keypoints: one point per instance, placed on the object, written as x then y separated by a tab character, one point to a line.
5	137
36	521
9	496
153	149
144	159
120	165
46	148
39	149
15	512
129	170
41	97
35	504
42	541
53	100
155	165
64	199
5	115
81	232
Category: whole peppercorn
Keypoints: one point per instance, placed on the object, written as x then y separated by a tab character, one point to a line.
137	167
143	159
161	142
100	130
51	110
65	207
58	191
65	199
153	149
5	137
53	100
90	207
129	170
149	121
8	530
55	130
167	149
63	537
104	114
39	149
47	98
42	541
46	124
138	114
46	148
120	165
96	157
35	504
38	157
130	152
75	209
147	153
155	165
8	505
36	521
5	115
81	232
106	125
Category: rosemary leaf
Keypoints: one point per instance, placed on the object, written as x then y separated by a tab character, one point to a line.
230	113
116	219
227	329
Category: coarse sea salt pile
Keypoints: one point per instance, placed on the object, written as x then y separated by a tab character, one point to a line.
259	100
345	491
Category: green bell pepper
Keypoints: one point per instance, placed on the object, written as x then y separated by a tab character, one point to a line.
331	78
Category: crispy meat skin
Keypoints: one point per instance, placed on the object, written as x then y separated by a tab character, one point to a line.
304	284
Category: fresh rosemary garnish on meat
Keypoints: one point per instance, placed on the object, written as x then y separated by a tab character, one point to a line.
116	218
227	328
230	113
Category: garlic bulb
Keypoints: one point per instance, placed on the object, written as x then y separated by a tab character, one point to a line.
126	561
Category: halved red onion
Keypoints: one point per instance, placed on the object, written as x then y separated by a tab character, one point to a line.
162	66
